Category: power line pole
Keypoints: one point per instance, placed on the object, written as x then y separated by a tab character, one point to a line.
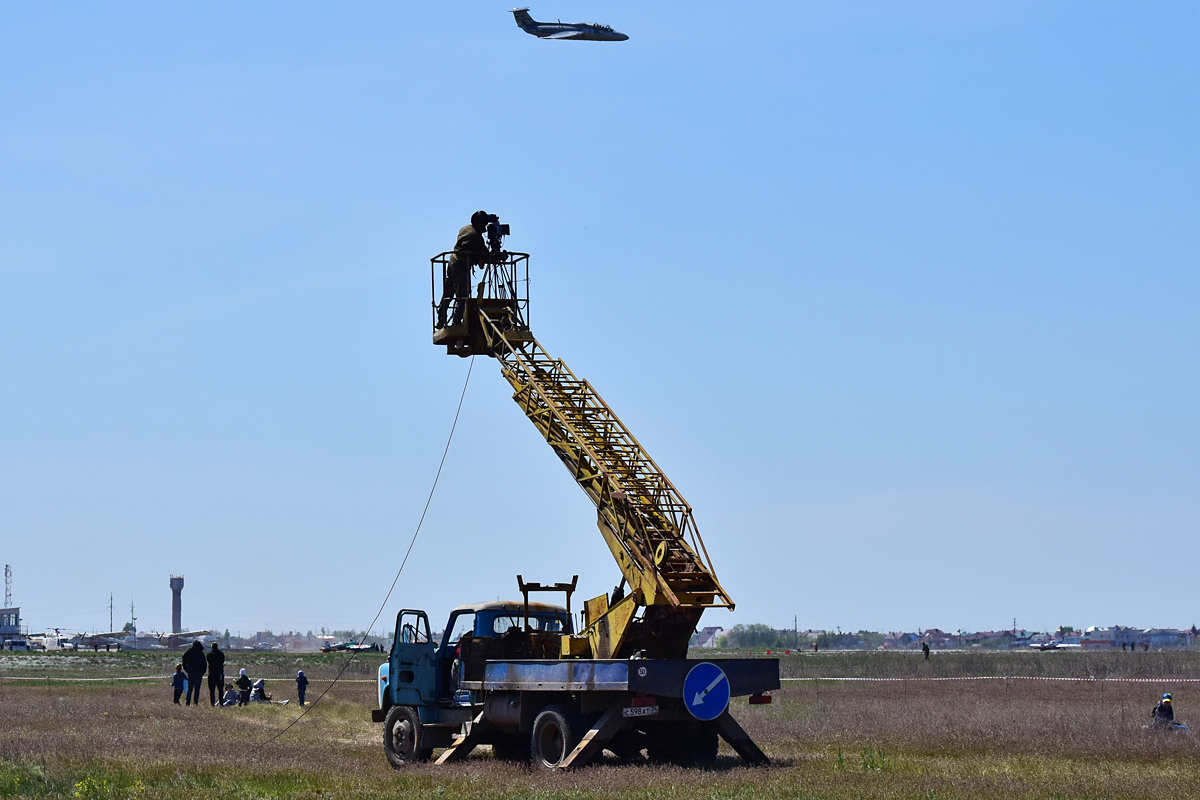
110	610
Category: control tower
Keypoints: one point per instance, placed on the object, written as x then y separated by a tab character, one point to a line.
176	603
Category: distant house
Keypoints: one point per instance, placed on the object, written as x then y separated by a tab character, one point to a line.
10	622
898	640
1096	638
707	637
1166	637
935	638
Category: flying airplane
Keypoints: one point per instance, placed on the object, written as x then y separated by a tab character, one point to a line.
594	32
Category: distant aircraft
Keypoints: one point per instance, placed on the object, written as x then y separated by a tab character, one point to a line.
346	646
594	32
97	640
183	638
1052	645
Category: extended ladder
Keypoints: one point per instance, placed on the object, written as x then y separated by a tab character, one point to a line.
646	522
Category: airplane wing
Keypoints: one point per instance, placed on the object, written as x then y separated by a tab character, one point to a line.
562	35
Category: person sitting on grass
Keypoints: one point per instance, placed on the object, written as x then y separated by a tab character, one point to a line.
244	685
1163	716
178	680
231	696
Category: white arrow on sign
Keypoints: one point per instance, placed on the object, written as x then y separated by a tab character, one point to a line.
699	698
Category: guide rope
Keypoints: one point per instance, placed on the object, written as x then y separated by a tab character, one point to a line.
403	562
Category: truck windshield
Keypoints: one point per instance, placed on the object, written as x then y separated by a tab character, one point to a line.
544	623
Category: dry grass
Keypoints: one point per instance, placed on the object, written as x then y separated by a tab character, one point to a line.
836	740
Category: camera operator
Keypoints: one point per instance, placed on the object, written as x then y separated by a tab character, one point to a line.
470	250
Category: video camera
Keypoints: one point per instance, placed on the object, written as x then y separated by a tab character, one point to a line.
495	233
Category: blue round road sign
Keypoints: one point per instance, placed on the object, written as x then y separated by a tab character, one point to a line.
706	691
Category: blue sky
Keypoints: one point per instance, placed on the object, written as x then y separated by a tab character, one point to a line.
901	296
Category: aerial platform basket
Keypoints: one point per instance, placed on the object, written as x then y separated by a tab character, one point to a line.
501	293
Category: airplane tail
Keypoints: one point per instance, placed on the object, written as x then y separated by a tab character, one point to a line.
524	21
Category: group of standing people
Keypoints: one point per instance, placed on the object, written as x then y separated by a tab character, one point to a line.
189	677
190	672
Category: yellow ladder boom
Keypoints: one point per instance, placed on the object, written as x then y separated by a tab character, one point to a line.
644	519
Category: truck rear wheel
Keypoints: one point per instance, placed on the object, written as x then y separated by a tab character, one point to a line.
556	731
404	738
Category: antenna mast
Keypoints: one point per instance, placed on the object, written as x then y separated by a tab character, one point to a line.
7	586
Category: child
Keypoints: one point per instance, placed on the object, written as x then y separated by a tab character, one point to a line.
231	696
244	685
179	682
301	686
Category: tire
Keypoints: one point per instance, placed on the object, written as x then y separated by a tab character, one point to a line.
556	731
404	738
512	748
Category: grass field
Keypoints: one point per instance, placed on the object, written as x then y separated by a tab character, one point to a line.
907	738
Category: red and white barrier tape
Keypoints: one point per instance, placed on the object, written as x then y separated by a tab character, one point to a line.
1006	678
44	678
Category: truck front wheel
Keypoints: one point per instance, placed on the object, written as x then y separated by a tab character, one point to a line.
556	731
404	738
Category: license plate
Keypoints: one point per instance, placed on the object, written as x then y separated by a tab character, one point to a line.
639	711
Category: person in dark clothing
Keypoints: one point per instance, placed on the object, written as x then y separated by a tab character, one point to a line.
216	674
1163	716
301	686
194	665
178	681
925	650
244	685
469	250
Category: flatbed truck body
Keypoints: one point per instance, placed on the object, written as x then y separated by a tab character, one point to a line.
556	712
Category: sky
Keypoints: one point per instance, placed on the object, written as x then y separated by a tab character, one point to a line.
902	297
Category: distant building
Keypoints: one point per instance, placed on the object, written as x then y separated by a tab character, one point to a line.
10	622
707	637
1096	638
899	640
1166	637
935	638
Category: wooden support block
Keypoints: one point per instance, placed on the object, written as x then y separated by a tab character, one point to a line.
740	741
464	743
594	740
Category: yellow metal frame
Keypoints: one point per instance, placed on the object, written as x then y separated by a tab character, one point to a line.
645	521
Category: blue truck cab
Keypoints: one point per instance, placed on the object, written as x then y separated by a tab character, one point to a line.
426	675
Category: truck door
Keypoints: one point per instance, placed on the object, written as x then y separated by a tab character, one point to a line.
413	672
